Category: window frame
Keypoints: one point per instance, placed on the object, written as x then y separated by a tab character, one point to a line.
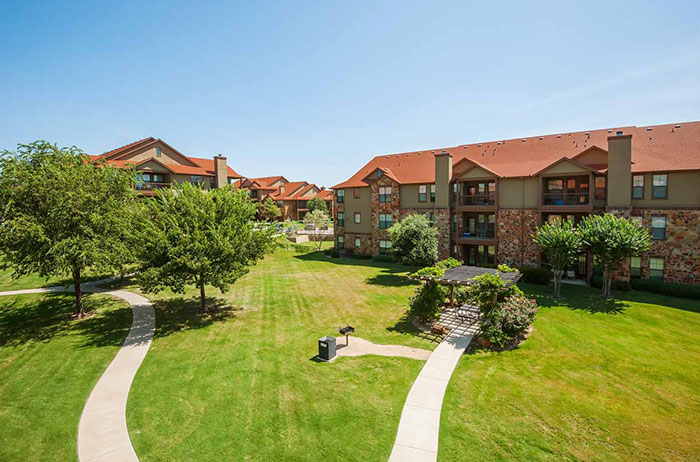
637	188
665	186
384	223
662	236
432	192
652	275
341	241
423	196
340	196
384	249
384	197
636	271
341	218
356	193
597	188
357	218
358	242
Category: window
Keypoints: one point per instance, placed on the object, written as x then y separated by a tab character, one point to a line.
455	191
658	228
197	179
358	243
422	193
341	242
356	193
158	152
659	187
379	174
432	193
600	187
385	194
656	268
384	220
636	267
340	196
384	246
341	218
454	223
638	187
357	217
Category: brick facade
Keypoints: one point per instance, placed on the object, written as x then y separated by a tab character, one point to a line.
441	220
391	208
514	229
365	247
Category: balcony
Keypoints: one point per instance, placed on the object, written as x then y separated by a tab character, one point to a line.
478	233
487	200
149	187
564	199
569	191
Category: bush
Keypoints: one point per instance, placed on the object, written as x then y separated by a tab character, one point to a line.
383	258
426	304
511	318
507	269
448	263
536	275
597	282
359	256
414	241
667	288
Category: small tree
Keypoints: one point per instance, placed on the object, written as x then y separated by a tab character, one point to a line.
290	228
60	214
191	236
317	204
561	244
268	210
319	220
613	240
414	241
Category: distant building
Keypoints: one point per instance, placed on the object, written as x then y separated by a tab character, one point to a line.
291	197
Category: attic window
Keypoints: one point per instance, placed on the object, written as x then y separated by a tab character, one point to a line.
618	133
558	136
158	153
379	173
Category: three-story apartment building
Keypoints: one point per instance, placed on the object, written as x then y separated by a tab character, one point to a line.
486	199
292	197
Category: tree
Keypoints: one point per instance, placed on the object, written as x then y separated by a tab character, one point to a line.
561	244
60	214
317	204
319	219
613	240
268	210
414	241
191	236
290	228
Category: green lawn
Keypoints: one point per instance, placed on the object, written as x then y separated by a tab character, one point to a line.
49	363
594	382
32	281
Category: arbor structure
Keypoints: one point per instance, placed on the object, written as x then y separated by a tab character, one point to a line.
414	241
319	220
191	236
316	203
561	244
612	240
60	214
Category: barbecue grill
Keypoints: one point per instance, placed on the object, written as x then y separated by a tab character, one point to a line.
346	331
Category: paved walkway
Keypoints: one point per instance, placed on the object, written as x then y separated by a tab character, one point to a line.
102	432
419	427
359	346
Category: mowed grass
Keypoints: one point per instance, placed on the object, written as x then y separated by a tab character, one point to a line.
242	384
49	363
595	382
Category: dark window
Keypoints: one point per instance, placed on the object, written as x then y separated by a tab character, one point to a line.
454	223
659	187
422	193
600	187
638	187
656	268
341	242
341	219
384	246
432	193
658	228
636	267
385	194
340	196
158	152
384	220
197	179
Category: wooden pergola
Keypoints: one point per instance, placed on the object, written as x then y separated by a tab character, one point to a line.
464	276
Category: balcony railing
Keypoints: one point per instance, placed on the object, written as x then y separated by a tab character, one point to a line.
478	199
565	198
150	186
478	233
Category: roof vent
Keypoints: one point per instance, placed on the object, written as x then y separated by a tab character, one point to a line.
540	138
610	131
498	143
618	133
479	145
558	136
523	140
648	129
588	133
444	152
676	126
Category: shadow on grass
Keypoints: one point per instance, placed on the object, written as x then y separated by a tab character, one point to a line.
178	314
405	326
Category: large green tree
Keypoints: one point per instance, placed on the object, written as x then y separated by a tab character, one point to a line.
191	236
60	214
268	210
561	244
414	241
613	240
316	203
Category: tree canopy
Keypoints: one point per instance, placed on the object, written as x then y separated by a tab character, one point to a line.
414	242
316	203
561	244
191	236
268	210
60	214
612	240
319	220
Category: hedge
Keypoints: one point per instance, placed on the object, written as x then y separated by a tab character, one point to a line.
667	288
535	275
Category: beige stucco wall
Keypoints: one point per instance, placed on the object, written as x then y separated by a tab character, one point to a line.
184	178
154	166
443	175
619	182
409	197
683	190
167	157
362	205
564	168
593	157
476	172
518	192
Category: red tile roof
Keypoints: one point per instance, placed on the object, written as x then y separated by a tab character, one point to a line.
654	148
289	191
266	182
326	194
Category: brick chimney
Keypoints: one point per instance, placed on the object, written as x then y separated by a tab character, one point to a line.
220	172
619	172
443	175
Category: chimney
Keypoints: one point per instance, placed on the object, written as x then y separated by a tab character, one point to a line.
619	172
220	172
281	189
443	175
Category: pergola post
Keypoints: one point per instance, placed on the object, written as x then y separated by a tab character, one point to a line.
452	296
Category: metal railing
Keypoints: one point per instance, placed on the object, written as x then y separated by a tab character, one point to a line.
150	186
477	233
565	198
478	199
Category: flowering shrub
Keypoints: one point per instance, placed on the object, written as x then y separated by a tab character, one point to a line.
512	317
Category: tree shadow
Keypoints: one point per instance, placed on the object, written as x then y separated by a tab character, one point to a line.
405	326
389	278
180	313
39	321
576	298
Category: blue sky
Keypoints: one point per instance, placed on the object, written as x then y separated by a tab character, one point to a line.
313	90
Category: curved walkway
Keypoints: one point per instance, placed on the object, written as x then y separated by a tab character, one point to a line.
102	432
359	347
419	427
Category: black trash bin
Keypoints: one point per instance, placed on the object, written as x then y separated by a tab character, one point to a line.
326	348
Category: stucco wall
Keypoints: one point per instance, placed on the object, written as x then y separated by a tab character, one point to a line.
683	190
518	192
409	197
167	157
362	205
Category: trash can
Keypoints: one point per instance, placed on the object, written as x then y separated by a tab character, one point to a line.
326	348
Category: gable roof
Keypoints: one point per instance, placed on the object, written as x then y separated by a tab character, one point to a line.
266	182
654	148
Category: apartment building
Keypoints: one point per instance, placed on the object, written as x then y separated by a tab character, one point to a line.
291	197
158	165
486	199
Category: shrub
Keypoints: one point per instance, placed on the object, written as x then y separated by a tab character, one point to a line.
383	258
426	303
536	275
414	241
597	282
448	263
507	269
667	288
511	318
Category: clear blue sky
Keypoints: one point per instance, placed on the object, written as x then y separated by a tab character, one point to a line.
313	89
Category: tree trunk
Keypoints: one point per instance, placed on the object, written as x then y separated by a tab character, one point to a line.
78	295
607	283
202	296
557	282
